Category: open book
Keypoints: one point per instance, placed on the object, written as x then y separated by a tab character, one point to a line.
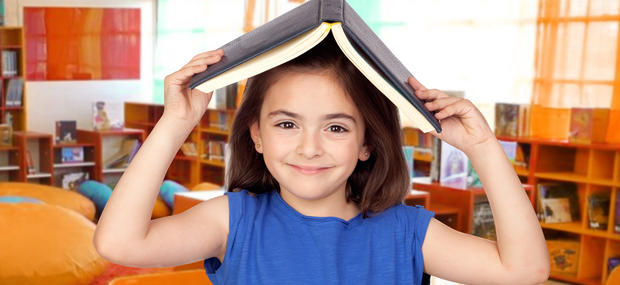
302	28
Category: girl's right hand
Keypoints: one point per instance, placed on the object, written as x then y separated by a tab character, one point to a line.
181	103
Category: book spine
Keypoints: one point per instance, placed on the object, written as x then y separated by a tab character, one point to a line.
331	11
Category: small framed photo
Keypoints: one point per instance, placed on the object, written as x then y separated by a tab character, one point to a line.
6	135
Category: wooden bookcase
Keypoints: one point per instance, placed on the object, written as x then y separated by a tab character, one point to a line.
187	170
60	168
10	164
458	202
422	154
11	38
39	147
105	144
594	168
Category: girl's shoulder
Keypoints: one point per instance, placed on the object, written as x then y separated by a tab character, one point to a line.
415	219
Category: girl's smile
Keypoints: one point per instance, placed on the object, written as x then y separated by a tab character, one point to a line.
309	169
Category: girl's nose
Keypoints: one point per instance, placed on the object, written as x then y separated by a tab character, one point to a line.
310	144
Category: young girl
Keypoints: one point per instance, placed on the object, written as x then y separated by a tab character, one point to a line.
316	183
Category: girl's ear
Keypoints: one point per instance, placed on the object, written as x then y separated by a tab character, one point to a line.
255	134
364	153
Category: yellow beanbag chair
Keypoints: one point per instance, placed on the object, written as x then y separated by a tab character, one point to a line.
186	277
160	209
51	195
46	244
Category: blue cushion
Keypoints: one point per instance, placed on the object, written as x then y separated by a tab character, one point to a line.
167	190
97	192
19	199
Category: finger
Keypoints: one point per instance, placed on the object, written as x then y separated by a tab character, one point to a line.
431	94
458	109
440	103
204	60
182	76
219	52
416	84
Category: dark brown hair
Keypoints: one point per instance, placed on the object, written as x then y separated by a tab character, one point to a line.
375	184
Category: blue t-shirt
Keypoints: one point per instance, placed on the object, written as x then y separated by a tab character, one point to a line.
269	242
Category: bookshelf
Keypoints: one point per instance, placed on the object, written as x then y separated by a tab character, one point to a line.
422	153
61	169
37	146
11	41
208	136
457	202
183	169
104	145
593	168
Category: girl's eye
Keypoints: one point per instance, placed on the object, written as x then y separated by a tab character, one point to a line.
286	125
338	129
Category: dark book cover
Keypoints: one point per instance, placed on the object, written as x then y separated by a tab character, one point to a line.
305	18
66	132
617	215
550	195
598	211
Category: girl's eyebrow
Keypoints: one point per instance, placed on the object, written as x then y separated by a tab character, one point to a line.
297	116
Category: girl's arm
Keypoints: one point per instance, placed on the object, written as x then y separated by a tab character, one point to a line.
520	254
125	233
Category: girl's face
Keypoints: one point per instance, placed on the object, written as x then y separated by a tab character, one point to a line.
311	134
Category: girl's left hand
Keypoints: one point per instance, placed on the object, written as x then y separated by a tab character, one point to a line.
462	124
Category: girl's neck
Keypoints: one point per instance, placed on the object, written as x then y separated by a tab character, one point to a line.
334	205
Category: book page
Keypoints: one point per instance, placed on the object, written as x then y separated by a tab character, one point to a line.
409	115
268	60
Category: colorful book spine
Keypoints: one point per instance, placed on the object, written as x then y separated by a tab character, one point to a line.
588	125
454	167
506	119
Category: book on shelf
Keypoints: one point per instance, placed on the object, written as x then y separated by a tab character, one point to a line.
126	152
14	92
522	156
226	97
108	115
523	121
10	63
6	135
617	215
436	162
598	211
483	224
30	163
216	150
1	12
510	149
302	28
66	132
419	139
506	119
588	125
73	180
613	262
408	153
220	119
72	154
453	167
189	149
557	202
563	255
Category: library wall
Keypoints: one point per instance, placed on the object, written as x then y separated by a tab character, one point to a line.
50	101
